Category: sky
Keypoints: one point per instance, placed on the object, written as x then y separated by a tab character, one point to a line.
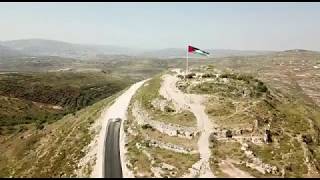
241	26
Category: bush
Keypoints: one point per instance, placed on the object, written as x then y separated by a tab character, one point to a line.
210	66
228	75
261	87
168	109
307	138
212	138
245	78
228	134
180	76
39	124
208	75
147	126
190	75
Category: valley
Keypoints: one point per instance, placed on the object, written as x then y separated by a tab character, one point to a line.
235	116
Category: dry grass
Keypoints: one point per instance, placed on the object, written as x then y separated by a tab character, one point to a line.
222	151
181	161
156	135
146	94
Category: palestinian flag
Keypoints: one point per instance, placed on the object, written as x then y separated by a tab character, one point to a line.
195	50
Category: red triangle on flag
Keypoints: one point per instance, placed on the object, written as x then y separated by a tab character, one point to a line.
192	49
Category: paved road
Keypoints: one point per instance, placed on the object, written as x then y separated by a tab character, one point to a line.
117	109
112	163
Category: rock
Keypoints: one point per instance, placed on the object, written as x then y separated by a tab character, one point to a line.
274	170
245	145
283	173
268	168
238	132
167	167
249	154
256	123
246	93
225	80
257	140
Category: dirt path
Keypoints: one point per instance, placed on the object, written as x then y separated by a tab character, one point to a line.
118	109
192	102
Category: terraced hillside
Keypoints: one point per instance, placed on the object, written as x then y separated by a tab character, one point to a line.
258	130
158	134
235	122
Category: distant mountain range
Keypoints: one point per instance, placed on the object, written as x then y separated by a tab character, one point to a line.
9	52
42	47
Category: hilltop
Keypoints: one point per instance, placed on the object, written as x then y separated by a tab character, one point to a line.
221	123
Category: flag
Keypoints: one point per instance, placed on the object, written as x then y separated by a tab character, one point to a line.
195	50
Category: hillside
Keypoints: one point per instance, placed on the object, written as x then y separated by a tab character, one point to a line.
116	65
38	98
57	150
293	71
255	116
9	52
219	123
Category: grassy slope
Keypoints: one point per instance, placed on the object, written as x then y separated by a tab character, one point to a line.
53	151
147	93
29	97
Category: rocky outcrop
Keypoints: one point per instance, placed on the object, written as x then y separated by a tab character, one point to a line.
163	105
256	163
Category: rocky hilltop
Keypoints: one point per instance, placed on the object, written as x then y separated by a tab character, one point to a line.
217	123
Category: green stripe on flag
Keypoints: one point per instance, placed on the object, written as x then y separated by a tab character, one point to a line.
201	52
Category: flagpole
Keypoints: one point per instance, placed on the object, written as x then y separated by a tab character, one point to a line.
187	59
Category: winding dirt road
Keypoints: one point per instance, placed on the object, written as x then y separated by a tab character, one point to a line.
192	102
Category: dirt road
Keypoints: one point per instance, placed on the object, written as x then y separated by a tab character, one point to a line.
192	102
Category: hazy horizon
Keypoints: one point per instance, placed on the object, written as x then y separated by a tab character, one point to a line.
238	26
